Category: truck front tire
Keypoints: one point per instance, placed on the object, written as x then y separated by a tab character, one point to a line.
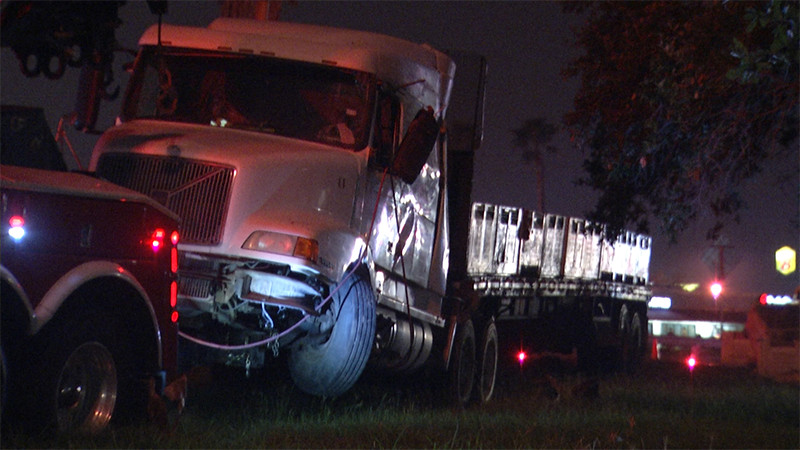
328	365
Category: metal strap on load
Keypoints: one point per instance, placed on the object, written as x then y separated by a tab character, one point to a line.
520	287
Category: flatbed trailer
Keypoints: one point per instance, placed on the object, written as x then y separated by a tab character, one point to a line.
557	283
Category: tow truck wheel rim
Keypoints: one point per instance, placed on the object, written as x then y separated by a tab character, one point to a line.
86	390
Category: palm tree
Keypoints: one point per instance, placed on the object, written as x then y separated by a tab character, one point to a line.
534	138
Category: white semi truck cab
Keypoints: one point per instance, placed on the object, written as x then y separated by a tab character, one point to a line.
277	144
325	218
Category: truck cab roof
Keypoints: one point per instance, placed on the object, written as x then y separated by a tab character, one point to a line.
427	73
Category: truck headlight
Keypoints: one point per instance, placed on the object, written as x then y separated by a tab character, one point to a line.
284	244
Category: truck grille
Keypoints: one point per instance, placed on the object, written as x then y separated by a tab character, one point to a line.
196	288
198	192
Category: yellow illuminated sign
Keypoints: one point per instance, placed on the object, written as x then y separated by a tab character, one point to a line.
690	287
785	260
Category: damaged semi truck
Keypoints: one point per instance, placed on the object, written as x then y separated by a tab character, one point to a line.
323	215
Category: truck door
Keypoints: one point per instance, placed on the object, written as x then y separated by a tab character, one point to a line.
405	224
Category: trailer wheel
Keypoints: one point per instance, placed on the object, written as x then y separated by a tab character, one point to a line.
329	362
636	343
487	364
76	378
622	354
462	364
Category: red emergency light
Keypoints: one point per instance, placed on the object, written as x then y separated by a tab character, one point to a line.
174	252
157	239
521	357
691	361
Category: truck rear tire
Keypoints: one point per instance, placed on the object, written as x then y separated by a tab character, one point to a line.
622	353
76	378
632	341
487	362
462	366
329	364
3	383
635	346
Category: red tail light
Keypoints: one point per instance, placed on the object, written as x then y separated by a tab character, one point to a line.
173	294
16	221
521	356
157	239
17	227
173	265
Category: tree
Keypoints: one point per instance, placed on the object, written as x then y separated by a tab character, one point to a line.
679	103
534	138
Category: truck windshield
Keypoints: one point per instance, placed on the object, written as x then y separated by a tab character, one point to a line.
288	98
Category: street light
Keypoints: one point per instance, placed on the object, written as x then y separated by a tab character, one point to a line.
716	289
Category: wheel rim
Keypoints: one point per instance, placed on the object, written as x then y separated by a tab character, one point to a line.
465	366
488	364
624	338
87	390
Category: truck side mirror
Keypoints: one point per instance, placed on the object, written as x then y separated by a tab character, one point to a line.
416	146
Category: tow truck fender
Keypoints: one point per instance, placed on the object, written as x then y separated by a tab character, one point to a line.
77	277
23	303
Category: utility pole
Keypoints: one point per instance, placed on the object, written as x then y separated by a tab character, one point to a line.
719	279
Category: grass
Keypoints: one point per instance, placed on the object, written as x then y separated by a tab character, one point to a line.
540	406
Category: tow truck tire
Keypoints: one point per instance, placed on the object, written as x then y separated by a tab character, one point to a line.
462	365
3	383
76	388
328	365
487	362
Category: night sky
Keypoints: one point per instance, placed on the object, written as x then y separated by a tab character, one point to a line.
526	45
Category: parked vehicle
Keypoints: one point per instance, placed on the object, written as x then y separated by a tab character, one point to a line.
324	215
87	294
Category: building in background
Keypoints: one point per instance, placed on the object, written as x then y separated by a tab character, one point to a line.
767	337
684	324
